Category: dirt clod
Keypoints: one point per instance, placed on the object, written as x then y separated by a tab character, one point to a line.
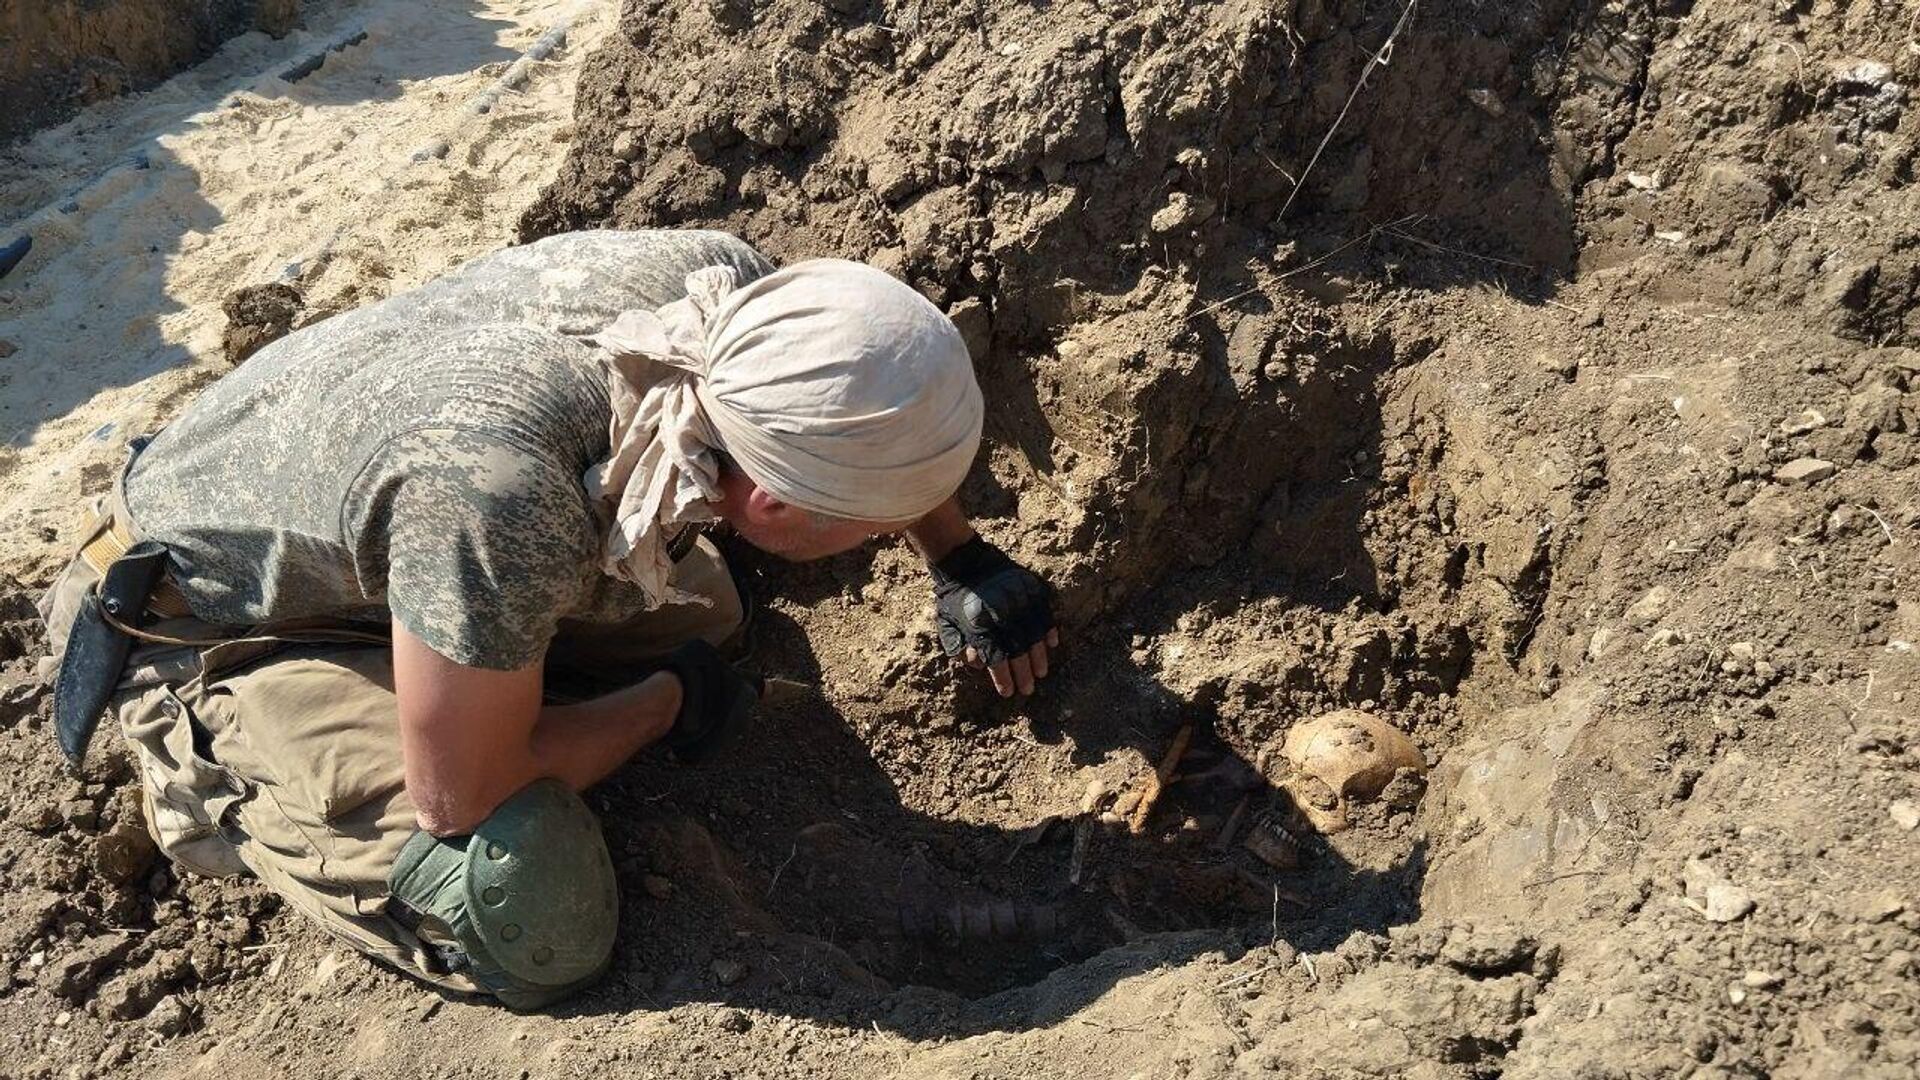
257	316
170	1017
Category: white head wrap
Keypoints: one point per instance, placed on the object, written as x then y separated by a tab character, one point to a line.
834	386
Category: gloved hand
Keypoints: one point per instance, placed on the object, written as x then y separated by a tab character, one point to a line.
994	613
716	701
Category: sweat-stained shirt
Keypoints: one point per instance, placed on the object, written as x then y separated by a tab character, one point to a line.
422	458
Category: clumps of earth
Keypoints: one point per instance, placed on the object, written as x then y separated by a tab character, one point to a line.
258	316
1471	447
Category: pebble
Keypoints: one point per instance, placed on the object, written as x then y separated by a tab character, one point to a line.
1182	211
1804	470
1808	421
735	1021
1905	813
1665	638
1650	606
728	972
1600	644
62	1018
1761	980
7	348
1713	896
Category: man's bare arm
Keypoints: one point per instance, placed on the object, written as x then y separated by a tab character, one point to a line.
942	530
472	737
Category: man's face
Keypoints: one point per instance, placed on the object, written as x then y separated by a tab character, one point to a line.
801	535
788	531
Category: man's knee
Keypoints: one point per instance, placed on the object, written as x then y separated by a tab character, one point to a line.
526	906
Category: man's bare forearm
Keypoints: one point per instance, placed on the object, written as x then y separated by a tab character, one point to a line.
937	534
580	744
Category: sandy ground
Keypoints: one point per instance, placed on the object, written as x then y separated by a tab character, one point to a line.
115	314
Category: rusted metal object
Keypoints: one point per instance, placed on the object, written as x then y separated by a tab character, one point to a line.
981	922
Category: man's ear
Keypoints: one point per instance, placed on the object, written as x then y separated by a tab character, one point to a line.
762	506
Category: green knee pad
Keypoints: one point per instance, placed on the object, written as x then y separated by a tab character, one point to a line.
528	901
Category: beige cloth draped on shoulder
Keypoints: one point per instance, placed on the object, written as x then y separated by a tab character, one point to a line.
834	386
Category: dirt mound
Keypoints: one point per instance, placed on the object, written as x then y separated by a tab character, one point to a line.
59	55
1339	355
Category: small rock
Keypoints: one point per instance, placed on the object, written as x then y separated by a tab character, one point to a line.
1487	101
1566	365
170	1017
1804	470
7	348
1713	896
1737	994
626	146
1882	906
1665	638
728	971
1600	644
62	1018
1727	903
1761	980
1905	813
1182	211
1739	658
1650	606
656	886
735	1021
427	1007
1809	420
1643	181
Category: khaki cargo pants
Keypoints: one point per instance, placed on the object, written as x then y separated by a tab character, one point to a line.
276	752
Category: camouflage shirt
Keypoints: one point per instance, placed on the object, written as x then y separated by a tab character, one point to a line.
421	458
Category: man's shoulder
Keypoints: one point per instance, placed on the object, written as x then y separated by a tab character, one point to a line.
674	250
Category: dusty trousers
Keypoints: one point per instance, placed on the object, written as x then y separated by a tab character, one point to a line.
275	751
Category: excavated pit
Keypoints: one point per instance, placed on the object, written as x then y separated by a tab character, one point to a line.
1223	474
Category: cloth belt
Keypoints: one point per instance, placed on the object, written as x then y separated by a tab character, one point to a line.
111	538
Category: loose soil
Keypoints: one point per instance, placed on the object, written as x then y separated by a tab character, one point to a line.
1537	378
60	55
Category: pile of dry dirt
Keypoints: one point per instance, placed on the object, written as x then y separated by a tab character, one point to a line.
1339	354
59	55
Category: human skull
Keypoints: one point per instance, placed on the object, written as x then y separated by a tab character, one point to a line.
1346	757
